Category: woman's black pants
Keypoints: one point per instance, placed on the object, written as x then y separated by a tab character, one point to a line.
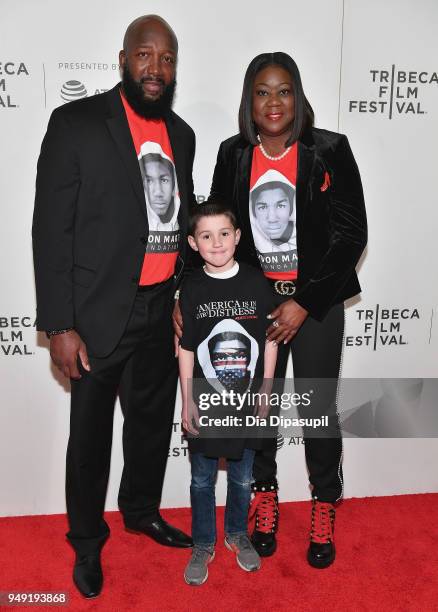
316	354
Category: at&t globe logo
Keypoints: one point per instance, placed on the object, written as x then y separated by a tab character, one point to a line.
73	90
280	440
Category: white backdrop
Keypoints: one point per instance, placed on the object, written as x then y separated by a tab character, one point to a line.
369	70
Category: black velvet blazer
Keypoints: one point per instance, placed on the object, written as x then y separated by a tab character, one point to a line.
331	222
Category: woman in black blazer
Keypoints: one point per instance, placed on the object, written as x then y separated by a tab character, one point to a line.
311	265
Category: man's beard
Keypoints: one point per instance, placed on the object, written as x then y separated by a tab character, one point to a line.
148	109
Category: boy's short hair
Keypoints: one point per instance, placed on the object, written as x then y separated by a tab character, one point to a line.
210	208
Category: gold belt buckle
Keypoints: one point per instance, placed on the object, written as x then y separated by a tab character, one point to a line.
285	287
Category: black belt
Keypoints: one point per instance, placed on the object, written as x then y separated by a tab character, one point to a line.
284	287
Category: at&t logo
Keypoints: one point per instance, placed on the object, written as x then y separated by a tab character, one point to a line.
73	90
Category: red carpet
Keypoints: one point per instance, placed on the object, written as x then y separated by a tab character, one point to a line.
386	560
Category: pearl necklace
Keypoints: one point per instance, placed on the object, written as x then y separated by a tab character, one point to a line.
272	157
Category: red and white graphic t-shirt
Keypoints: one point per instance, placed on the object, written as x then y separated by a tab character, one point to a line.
272	212
157	167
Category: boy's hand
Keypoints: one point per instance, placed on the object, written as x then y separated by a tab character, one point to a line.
188	415
262	407
177	319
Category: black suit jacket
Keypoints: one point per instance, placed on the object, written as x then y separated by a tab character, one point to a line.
331	224
90	223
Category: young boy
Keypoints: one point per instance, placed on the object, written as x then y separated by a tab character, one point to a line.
223	349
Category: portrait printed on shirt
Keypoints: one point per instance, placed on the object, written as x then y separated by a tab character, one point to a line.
228	357
162	198
272	212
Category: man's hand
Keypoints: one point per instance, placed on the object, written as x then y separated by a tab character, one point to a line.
289	317
177	319
64	351
189	414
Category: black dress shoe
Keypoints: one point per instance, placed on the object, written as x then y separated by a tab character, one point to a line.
163	533
87	575
321	555
264	543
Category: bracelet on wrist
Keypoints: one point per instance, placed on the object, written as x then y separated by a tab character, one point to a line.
57	332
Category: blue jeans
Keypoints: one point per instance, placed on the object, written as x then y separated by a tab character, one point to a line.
202	494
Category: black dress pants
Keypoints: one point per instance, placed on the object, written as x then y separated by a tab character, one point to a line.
143	369
316	354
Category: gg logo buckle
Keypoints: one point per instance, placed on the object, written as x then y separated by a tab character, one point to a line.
284	287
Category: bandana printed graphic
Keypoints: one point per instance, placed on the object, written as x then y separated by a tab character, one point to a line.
228	356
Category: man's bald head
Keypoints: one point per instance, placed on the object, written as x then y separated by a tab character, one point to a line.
153	23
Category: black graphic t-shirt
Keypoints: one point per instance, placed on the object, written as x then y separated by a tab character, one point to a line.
224	325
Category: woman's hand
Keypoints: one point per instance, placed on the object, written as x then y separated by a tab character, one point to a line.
289	317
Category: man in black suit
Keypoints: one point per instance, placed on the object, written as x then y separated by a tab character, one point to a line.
105	284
